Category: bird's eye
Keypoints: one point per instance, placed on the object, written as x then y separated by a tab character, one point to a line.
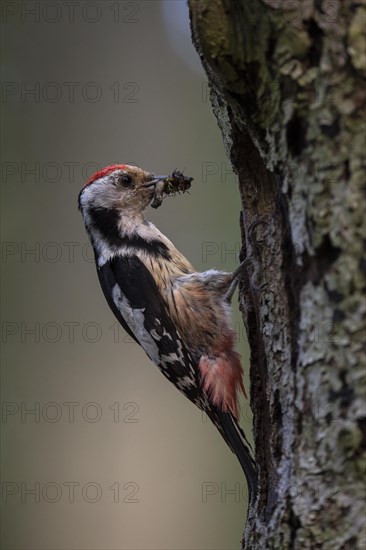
126	180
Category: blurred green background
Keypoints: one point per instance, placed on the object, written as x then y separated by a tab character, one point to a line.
112	456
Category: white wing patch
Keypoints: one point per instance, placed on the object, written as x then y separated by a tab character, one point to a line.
185	383
174	356
135	320
148	340
158	336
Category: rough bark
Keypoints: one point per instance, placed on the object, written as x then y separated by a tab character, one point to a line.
287	84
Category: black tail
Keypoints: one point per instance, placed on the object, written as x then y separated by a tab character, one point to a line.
235	438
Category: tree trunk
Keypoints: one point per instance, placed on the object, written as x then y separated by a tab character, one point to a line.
287	87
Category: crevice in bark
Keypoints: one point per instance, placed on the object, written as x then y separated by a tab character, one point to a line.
316	49
344	395
294	524
260	192
296	135
317	265
361	422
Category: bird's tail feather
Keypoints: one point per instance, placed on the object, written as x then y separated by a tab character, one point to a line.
235	438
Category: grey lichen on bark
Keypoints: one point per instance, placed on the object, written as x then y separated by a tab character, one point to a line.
287	84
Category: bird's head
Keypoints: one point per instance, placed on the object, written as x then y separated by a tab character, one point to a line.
119	187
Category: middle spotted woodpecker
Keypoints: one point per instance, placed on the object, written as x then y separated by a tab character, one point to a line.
180	317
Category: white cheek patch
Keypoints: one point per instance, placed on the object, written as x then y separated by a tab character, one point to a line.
135	320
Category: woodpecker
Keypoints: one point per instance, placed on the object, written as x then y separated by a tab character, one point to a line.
180	317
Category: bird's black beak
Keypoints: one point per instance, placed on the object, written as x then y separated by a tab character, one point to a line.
154	181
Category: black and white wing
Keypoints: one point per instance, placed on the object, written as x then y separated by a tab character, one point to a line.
136	301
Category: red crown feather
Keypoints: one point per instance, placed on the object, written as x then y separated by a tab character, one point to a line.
105	171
